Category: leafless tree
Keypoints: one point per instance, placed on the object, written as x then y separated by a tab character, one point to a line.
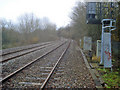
28	23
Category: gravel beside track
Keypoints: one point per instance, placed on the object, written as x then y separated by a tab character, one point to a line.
74	73
21	53
16	63
34	75
9	50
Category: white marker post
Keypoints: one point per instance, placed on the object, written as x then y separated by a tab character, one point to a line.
87	43
98	50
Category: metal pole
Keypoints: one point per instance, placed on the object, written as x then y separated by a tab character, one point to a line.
110	46
102	47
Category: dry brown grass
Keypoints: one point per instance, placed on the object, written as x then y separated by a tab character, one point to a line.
96	59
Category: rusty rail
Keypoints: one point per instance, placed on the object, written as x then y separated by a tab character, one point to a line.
5	60
3	54
20	69
53	69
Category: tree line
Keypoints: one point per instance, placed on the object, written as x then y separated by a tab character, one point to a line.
78	27
28	30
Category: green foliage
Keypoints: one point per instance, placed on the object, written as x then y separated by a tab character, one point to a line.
112	79
103	70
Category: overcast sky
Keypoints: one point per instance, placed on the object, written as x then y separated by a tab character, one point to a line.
58	11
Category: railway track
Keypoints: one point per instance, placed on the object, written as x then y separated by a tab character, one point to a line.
22	48
20	52
54	68
15	64
32	62
51	70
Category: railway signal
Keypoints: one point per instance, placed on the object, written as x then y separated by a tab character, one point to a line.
92	14
103	13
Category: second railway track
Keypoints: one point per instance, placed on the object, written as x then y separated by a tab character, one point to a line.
22	48
20	52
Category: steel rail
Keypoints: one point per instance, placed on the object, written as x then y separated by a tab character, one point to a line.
53	69
5	60
20	69
3	54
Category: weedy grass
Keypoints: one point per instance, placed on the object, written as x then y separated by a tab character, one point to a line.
111	78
